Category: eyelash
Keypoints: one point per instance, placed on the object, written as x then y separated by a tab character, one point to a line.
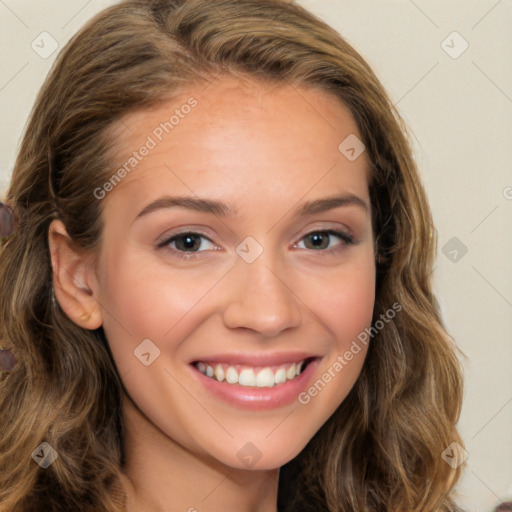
186	255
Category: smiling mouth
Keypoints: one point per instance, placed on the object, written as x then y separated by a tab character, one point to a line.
252	376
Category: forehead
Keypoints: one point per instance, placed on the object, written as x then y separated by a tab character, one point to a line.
233	135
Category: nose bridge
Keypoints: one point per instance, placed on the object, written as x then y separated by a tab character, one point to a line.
260	297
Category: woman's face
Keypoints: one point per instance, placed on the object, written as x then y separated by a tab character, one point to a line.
221	254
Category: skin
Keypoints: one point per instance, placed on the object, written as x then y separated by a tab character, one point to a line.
265	150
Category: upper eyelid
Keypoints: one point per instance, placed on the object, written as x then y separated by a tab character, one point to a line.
165	239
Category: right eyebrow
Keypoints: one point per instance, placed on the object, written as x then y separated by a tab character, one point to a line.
191	203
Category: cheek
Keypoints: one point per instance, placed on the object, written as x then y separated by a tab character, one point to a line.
343	299
344	305
349	305
349	313
143	299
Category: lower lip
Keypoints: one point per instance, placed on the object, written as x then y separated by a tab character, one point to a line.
258	398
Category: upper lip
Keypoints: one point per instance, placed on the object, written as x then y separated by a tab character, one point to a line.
256	359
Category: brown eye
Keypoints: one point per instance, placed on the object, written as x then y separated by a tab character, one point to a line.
320	240
187	244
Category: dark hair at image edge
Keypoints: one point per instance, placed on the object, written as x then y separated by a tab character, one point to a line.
381	450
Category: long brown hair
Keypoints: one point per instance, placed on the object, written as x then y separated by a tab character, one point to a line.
381	450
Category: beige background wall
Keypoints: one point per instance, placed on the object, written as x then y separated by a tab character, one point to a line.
459	106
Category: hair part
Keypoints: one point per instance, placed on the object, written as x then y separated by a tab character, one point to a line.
381	450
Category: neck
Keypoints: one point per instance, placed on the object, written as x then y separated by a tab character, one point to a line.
164	476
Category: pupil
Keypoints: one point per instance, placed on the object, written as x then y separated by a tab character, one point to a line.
319	240
189	241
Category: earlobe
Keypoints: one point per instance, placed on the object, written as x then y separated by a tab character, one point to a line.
72	278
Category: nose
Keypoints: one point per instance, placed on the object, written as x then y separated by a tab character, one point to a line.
261	298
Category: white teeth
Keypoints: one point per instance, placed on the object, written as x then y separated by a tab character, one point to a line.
280	376
265	378
247	377
219	373
232	375
291	372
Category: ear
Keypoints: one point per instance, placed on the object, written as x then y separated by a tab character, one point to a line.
74	278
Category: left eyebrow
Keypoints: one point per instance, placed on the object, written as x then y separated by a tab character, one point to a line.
329	203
